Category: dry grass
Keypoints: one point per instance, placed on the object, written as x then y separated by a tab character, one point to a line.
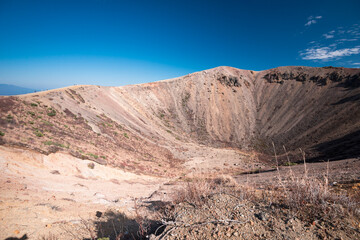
306	195
196	191
310	193
314	193
50	236
295	200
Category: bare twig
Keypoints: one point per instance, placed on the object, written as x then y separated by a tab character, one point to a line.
277	168
163	225
292	176
143	223
304	159
167	233
184	224
88	228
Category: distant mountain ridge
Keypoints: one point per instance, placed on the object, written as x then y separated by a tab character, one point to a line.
8	90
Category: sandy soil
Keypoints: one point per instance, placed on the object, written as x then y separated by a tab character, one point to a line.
55	193
39	193
201	158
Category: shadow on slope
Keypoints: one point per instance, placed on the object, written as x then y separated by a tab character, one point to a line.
116	225
347	146
24	237
354	98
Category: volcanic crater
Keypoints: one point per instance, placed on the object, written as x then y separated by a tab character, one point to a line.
222	120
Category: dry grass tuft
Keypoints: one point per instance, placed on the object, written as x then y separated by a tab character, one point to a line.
50	236
303	193
310	193
196	191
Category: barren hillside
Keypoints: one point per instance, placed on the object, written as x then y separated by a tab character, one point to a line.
316	109
146	138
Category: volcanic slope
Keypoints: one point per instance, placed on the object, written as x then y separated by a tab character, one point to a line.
150	128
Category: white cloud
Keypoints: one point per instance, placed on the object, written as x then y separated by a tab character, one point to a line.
356	65
312	20
333	45
324	53
353	30
327	36
346	40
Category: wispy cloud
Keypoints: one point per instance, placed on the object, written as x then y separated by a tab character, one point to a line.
325	53
355	64
312	20
347	40
334	45
329	34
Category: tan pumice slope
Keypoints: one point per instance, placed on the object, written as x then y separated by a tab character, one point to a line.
148	127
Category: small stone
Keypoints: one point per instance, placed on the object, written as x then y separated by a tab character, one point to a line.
228	234
261	216
99	195
236	234
16	232
98	214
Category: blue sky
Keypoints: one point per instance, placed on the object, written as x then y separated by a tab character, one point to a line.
50	44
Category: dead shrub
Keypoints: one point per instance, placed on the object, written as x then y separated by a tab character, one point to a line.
303	194
143	222
50	236
313	194
197	190
225	180
194	192
310	193
91	165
